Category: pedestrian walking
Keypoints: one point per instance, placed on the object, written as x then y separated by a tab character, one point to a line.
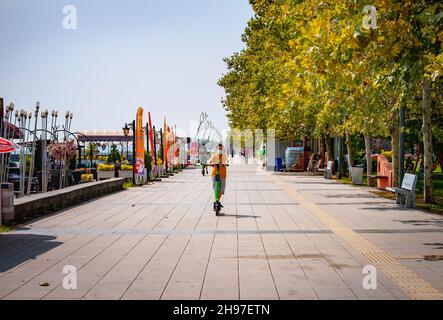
203	155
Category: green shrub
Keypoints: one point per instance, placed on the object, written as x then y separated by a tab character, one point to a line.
388	155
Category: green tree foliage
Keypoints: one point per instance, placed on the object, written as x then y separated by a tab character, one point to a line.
148	161
92	150
114	155
313	68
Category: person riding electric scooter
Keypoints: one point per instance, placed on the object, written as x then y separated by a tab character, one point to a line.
219	162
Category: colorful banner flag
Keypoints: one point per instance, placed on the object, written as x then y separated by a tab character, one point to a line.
139	147
151	139
165	144
169	157
175	146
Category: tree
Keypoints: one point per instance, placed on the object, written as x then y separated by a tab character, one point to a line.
312	68
114	155
92	151
148	161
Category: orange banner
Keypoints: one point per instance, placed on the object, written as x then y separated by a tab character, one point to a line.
139	145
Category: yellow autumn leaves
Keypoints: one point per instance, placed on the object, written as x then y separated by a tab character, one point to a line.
309	64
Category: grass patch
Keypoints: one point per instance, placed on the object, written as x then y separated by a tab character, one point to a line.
127	185
347	180
7	228
436	207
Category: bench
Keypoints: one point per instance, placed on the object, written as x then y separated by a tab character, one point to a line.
406	194
328	170
372	178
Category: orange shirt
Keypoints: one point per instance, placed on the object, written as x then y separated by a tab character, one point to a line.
219	159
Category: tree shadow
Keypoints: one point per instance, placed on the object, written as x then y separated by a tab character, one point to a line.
437	245
16	249
384	208
426	222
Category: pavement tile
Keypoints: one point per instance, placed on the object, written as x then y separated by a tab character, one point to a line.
163	241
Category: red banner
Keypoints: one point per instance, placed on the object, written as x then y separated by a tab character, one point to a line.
151	139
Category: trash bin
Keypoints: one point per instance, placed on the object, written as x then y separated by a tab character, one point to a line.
7	202
278	164
357	175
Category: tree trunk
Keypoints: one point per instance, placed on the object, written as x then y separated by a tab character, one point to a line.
394	130
418	158
322	148
328	148
368	155
426	109
350	151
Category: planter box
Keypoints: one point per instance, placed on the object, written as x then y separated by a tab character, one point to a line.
148	175
102	175
125	174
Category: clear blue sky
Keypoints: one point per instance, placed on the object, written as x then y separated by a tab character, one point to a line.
165	56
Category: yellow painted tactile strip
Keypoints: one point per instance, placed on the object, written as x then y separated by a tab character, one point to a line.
411	257
412	284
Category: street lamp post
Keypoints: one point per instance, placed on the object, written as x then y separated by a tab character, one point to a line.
126	129
133	151
126	133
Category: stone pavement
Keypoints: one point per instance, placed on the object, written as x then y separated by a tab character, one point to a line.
281	237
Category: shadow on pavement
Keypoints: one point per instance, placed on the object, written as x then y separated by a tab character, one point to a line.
427	222
239	216
437	245
16	249
385	208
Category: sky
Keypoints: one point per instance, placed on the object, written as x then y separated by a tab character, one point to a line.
165	56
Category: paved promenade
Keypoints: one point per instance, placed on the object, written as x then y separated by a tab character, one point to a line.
281	237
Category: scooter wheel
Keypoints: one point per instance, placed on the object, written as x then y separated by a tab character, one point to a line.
217	209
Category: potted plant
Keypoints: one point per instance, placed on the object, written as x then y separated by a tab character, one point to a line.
105	171
160	166
126	170
148	166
